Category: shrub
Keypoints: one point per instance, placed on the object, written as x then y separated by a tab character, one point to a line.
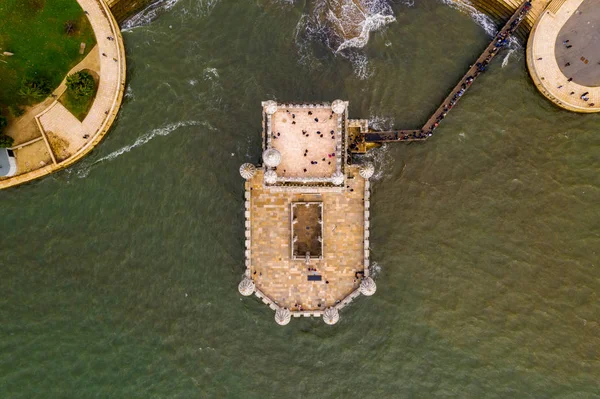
35	88
81	85
70	27
6	141
15	110
3	123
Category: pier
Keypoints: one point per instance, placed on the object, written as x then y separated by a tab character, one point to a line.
361	140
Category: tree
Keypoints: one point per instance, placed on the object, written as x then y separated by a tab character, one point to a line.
3	123
6	141
81	84
35	88
70	27
15	110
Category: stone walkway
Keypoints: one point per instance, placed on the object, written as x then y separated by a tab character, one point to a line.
107	50
65	125
543	64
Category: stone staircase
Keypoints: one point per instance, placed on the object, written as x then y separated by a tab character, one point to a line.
555	6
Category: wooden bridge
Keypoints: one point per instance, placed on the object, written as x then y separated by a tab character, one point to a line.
359	140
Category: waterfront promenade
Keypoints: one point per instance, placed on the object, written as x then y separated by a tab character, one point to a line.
63	136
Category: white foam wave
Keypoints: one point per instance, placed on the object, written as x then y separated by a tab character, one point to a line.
480	18
159	7
148	14
210	73
513	46
360	64
143	139
304	33
378	122
129	93
370	24
506	58
375	269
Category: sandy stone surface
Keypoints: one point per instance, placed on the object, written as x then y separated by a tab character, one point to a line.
578	45
60	121
33	156
292	143
285	280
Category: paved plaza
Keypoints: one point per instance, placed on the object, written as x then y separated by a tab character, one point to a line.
573	87
578	45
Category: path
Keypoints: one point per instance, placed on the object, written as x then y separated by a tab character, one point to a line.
56	117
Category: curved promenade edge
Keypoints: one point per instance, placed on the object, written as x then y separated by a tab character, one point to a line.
97	11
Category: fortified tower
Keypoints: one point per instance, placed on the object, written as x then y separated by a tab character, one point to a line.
307	214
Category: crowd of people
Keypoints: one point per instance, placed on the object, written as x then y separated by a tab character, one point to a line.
328	158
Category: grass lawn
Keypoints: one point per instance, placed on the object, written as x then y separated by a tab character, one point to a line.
34	30
79	107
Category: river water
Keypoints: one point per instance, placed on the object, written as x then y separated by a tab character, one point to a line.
119	276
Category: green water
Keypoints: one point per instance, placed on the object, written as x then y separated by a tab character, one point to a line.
119	276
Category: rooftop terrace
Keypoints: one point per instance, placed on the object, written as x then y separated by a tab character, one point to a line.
306	139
